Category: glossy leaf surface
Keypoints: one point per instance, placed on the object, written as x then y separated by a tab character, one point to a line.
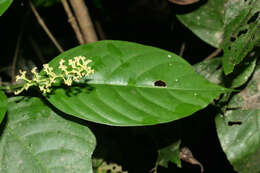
206	21
4	4
239	135
133	85
3	105
36	139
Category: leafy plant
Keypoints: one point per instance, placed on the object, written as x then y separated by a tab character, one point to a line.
94	89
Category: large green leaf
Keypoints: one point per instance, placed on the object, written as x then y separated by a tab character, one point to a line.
35	139
123	90
239	135
4	4
3	105
206	21
238	129
242	22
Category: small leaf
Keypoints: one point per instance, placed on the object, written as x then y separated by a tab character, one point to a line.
210	69
242	22
168	154
3	105
241	73
239	135
36	139
4	4
249	97
133	85
206	21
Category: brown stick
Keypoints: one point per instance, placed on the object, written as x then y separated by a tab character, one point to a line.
213	54
16	55
84	20
72	21
182	49
45	28
100	31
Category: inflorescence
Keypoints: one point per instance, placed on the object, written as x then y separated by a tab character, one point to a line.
77	68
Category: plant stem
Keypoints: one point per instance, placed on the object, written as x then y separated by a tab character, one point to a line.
72	21
45	28
84	20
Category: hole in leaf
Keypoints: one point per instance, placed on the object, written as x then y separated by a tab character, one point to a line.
242	32
231	123
253	18
232	39
160	83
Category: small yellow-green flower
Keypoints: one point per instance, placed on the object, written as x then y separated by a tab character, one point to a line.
77	68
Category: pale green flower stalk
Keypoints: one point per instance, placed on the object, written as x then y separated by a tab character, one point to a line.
77	68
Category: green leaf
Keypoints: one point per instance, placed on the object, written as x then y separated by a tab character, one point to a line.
36	139
241	28
206	21
3	105
241	73
249	97
168	154
4	4
123	90
210	69
238	129
239	135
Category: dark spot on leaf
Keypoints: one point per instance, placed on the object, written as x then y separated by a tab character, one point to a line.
113	167
160	83
232	39
231	123
253	18
229	47
242	32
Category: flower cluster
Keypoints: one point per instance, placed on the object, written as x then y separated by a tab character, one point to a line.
77	68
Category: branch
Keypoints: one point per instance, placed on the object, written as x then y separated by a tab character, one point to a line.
182	49
84	20
45	28
213	54
73	22
100	31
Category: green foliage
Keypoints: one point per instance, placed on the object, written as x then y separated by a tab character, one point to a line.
123	90
238	129
134	85
238	132
206	21
241	24
210	69
4	4
3	105
168	154
37	139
